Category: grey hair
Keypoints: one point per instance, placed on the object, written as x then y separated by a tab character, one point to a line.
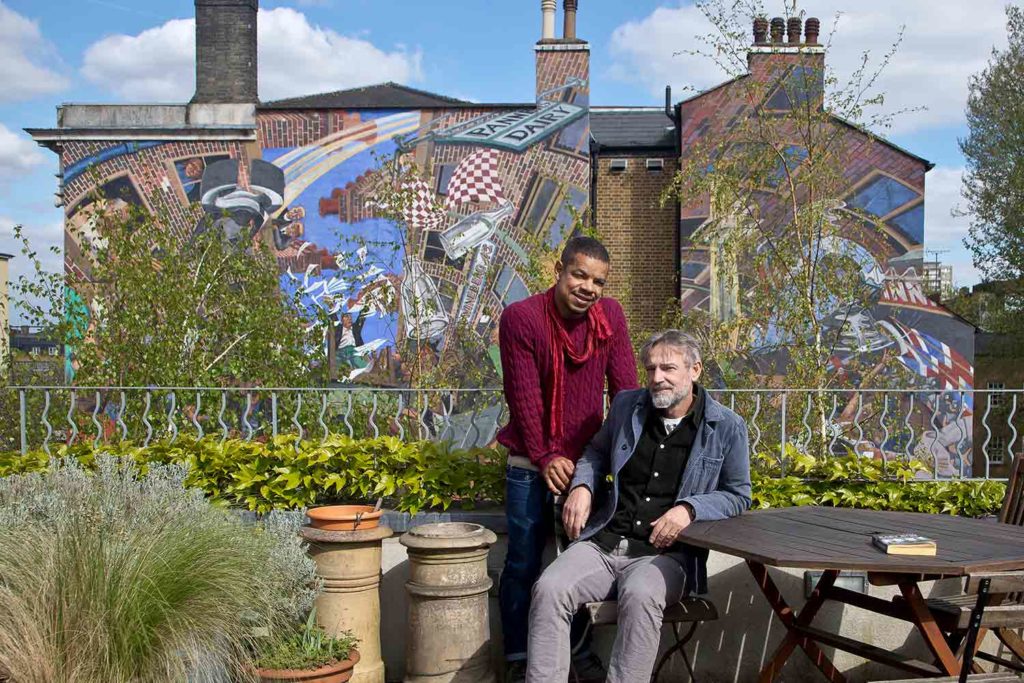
681	341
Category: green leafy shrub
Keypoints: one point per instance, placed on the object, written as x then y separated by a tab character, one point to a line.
113	575
306	647
280	474
859	482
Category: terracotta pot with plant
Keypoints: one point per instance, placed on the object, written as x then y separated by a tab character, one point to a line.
306	654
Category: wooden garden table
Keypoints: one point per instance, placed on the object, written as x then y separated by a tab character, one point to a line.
839	539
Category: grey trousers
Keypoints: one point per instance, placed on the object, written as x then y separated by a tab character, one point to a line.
585	573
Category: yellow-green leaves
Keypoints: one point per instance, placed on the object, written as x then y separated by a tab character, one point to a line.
280	474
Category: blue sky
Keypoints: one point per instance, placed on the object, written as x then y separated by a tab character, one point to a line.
138	50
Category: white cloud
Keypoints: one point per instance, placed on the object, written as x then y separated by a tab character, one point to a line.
944	232
295	58
156	65
25	56
944	43
18	154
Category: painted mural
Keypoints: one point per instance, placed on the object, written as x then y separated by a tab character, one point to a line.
489	184
885	187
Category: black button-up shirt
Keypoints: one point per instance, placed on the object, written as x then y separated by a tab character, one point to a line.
649	481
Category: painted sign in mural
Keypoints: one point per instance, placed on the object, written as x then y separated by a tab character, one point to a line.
488	186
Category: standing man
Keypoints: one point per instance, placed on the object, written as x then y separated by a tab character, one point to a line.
666	456
557	350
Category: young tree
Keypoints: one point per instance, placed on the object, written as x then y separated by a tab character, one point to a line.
994	151
793	285
147	307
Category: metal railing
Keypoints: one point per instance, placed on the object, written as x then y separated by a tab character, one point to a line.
963	434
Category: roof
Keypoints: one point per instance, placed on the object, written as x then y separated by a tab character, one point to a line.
388	95
928	164
632	127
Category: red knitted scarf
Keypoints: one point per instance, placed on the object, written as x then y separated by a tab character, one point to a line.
599	331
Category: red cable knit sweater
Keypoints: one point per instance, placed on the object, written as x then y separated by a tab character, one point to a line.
526	365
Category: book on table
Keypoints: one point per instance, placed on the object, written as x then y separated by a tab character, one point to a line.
903	543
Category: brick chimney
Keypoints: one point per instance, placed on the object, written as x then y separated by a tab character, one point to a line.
777	49
562	59
226	52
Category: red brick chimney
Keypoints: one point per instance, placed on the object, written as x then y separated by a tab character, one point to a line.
565	59
777	48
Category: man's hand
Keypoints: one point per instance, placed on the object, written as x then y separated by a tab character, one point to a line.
576	511
668	527
558	473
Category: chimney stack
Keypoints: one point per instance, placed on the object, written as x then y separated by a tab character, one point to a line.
547	9
226	52
569	31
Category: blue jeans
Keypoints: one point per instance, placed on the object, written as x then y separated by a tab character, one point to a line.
529	508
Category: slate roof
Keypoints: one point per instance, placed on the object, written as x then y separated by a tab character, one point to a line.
381	96
632	127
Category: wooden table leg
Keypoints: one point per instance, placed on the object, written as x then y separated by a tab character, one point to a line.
790	620
925	622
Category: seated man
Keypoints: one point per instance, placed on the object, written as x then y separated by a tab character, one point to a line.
665	456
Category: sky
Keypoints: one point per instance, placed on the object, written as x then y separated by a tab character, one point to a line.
122	51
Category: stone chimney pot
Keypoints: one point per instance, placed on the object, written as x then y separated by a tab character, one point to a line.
569	32
760	31
778	29
547	9
793	26
811	30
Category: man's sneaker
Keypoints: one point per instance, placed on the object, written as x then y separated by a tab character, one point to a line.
515	671
588	668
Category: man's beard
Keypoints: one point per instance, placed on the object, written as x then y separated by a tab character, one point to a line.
664	400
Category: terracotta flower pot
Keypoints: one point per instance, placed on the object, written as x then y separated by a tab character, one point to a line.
339	672
344	517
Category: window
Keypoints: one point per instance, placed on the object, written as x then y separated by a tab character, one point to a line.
911	223
997	450
434	252
562	225
543	198
995	398
509	287
36	350
444	175
882	196
798	86
53	350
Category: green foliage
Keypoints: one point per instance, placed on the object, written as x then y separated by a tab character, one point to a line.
280	474
114	575
148	306
994	181
305	647
858	482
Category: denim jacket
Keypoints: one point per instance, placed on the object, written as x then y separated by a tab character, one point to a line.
715	481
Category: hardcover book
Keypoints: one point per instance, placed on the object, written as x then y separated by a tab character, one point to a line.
904	544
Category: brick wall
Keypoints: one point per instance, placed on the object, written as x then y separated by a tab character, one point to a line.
640	234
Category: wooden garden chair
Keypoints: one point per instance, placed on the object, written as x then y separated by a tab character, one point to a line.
981	588
1004	617
691	611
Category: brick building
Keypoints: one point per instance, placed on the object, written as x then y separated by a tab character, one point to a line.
497	182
